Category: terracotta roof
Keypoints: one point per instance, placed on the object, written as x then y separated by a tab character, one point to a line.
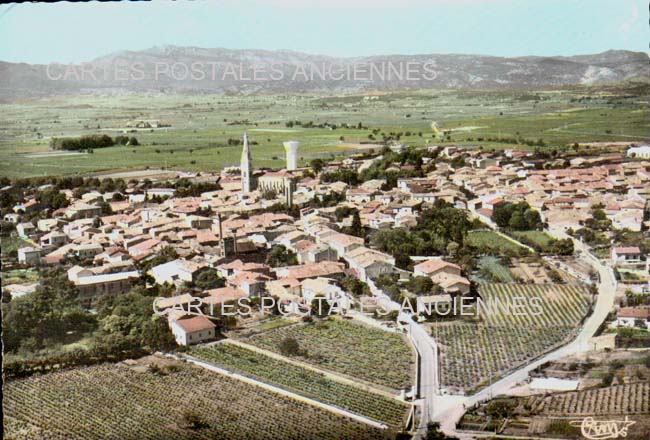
434	265
323	268
627	250
195	324
223	294
634	312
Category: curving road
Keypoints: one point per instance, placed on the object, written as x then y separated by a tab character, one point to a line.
449	415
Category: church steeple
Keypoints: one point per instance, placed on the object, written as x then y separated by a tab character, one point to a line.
246	166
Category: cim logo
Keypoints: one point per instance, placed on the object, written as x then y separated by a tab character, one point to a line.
603	429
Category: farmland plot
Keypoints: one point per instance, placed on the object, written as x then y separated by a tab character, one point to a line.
632	398
551	415
355	350
475	351
118	402
304	382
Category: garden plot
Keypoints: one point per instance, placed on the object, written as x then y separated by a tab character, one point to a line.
530	272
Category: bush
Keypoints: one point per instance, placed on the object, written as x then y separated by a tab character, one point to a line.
290	347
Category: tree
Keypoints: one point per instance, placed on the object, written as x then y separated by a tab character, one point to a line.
356	228
290	347
420	285
354	286
317	165
344	211
452	248
517	222
209	279
192	420
319	306
281	256
434	433
562	247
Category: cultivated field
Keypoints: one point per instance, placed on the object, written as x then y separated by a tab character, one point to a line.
305	382
120	402
491	269
538	238
201	125
527	271
475	351
627	399
558	415
357	351
491	242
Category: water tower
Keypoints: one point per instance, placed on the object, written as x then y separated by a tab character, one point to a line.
291	148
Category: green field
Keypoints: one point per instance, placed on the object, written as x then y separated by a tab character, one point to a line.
358	351
304	382
491	269
202	125
493	243
183	402
540	238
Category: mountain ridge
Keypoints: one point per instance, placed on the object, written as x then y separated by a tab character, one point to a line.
145	72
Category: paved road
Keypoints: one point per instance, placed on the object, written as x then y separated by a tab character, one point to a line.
428	384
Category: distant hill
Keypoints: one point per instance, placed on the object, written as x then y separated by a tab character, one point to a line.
169	69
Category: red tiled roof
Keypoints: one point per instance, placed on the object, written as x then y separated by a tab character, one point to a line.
195	324
627	250
634	312
434	265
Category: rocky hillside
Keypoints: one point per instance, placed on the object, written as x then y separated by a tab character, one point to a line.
171	69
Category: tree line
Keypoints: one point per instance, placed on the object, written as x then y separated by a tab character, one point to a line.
90	142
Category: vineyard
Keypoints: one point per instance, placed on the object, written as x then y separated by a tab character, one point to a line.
632	398
119	402
305	382
472	352
355	350
551	414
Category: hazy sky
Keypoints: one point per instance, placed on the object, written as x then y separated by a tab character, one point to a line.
73	32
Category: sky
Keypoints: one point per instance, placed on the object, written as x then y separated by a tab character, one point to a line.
77	32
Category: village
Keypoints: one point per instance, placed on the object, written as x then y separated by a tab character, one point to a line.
379	238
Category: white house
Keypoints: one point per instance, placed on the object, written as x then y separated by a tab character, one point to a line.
642	152
192	330
29	255
629	316
54	238
25	229
175	272
447	275
369	263
12	217
343	244
92	287
625	256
